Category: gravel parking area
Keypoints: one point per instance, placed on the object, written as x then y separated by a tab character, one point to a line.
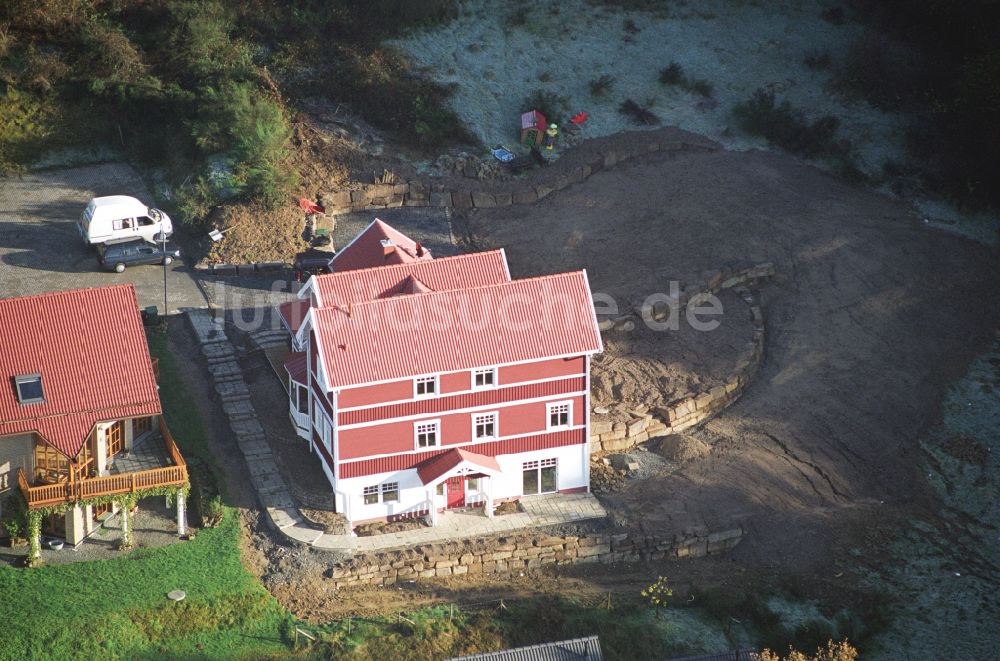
41	251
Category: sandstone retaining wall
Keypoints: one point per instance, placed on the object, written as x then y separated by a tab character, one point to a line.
514	554
689	409
573	166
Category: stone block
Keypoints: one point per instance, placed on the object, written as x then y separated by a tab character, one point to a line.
460	570
360	197
526	196
341	199
623	462
702	401
504	199
616	445
637	425
462	200
501	555
443	571
482	200
443	199
600	426
614	434
542	191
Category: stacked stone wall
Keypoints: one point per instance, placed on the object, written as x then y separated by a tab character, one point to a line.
688	409
513	555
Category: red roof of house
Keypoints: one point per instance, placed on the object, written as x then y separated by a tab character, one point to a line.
378	245
293	313
458	272
438	465
404	336
295	365
89	347
533	119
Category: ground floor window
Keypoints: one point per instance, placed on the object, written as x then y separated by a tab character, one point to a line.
472	484
115	437
389	492
539	477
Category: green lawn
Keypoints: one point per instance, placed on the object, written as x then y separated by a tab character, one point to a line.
118	608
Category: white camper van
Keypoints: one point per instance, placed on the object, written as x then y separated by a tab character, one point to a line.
121	217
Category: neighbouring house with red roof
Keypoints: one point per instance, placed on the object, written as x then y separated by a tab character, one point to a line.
424	384
80	415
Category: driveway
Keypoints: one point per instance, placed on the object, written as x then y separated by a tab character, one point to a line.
41	251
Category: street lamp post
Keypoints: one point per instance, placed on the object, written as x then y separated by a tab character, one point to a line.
163	243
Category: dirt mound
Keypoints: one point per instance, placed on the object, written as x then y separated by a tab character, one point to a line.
651	368
255	235
680	447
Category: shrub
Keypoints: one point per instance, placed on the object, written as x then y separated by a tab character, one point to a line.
640	114
15	517
601	86
554	106
673	74
785	127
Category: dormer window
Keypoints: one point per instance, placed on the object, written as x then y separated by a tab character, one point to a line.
29	388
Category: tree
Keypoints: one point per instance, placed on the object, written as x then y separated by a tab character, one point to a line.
658	593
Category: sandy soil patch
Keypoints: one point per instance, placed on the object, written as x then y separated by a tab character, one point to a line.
738	47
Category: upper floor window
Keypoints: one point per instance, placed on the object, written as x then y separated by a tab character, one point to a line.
484	425
29	388
426	386
427	434
484	378
559	414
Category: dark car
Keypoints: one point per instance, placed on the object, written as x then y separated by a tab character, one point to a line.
117	255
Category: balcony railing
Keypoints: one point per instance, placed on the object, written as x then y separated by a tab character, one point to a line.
112	485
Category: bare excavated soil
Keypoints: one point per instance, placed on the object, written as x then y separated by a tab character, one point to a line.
649	368
870	315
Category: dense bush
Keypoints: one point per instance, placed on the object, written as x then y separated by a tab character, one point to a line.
948	85
673	74
554	106
784	126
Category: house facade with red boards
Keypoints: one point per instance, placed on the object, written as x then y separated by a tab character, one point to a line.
80	415
424	384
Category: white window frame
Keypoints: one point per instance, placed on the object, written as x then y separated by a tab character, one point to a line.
494	419
370	491
492	371
416	434
538	466
551	406
299	388
434	378
23	379
387	488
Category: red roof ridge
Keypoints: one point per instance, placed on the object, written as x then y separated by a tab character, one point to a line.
66	292
509	283
405	265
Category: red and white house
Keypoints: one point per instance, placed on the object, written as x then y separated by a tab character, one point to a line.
426	384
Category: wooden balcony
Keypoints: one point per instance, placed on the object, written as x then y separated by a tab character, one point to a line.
46	495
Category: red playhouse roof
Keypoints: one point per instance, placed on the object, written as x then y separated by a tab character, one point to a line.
89	347
295	365
378	245
533	120
293	313
438	465
403	336
458	272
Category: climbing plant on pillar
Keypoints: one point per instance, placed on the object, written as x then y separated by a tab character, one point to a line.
126	503
34	539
